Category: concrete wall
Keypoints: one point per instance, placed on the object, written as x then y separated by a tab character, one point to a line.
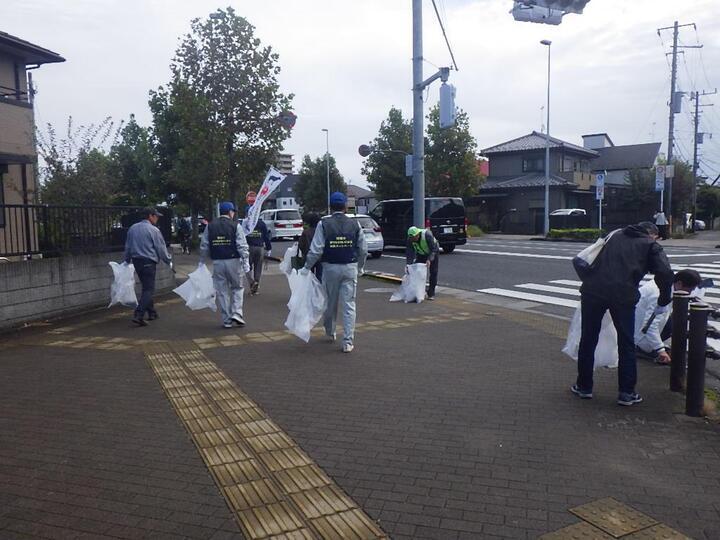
42	289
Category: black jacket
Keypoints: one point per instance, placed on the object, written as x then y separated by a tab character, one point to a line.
616	273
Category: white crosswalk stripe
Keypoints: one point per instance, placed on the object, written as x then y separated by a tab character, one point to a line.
564	292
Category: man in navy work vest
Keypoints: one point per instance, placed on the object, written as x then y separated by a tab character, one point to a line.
340	244
260	247
224	240
423	248
145	247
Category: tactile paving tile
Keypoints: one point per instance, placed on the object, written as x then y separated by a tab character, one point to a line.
613	517
270	520
657	532
350	525
578	531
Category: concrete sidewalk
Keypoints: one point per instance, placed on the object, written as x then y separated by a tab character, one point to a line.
451	419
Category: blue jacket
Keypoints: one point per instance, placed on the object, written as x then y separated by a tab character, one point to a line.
259	236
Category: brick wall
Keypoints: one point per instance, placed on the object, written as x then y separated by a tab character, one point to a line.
47	288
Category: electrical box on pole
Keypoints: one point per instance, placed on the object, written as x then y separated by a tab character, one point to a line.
447	105
546	11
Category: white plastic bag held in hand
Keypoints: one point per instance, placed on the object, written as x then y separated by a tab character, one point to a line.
606	354
307	304
412	288
286	263
198	291
122	290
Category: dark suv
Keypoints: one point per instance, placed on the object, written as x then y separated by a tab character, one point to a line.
445	216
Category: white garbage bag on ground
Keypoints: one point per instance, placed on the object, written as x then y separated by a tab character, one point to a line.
606	354
198	291
286	265
307	304
412	288
122	290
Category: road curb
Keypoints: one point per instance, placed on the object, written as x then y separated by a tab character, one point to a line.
383	277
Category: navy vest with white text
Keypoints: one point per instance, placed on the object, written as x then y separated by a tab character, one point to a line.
221	236
341	239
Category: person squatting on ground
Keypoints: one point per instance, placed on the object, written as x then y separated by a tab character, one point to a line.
340	243
310	219
224	241
611	283
145	247
260	247
651	330
423	248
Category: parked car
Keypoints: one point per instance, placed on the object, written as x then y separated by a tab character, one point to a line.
445	216
569	212
283	223
373	234
699	225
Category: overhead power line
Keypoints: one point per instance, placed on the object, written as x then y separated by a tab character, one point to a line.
447	42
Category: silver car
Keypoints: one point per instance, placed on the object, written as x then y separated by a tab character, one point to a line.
373	234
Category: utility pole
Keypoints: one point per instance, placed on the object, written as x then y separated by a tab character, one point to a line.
673	105
696	96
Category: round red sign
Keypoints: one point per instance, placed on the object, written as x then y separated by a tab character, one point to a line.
250	197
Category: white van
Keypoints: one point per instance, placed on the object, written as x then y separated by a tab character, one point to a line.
283	223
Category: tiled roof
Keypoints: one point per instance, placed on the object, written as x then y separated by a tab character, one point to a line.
535	141
525	181
632	156
358	192
29	52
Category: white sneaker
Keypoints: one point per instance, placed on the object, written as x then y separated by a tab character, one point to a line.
331	338
348	347
237	319
227	325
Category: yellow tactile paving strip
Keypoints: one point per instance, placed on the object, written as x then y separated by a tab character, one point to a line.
274	489
58	337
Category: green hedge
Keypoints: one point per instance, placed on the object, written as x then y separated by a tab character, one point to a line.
576	234
473	231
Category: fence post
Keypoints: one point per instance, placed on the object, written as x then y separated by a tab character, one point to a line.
678	348
695	395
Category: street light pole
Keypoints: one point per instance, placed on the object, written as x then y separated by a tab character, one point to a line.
418	130
327	165
547	43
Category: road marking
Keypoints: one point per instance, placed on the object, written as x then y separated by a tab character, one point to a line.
569	282
510	254
549	288
273	488
539	298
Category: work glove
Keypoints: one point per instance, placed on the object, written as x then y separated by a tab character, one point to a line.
660	310
246	266
268	252
304	271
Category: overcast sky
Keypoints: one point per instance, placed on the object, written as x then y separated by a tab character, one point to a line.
348	62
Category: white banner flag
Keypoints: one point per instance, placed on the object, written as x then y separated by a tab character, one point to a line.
272	180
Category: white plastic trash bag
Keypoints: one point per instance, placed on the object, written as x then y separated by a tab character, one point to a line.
412	288
122	290
307	304
286	263
606	354
198	291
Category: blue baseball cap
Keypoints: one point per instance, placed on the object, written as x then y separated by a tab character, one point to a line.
226	207
338	198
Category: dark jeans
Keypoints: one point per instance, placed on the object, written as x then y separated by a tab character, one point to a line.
432	271
145	269
317	270
623	317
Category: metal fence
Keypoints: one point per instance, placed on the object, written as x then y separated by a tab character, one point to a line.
54	231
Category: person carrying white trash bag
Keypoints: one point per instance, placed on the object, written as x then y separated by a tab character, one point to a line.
611	271
412	288
224	241
340	243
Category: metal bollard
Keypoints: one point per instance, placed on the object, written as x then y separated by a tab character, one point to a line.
695	395
678	348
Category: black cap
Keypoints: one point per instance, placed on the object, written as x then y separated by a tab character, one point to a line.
147	212
649	227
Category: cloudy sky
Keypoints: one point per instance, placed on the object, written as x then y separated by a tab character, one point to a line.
348	62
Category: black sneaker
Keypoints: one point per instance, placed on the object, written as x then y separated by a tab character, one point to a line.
153	316
139	320
238	320
628	399
582	394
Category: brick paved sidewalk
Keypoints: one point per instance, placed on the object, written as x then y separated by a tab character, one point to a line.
449	420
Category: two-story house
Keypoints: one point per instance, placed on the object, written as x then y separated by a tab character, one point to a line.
513	197
18	156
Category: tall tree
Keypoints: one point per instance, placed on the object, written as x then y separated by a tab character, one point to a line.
451	166
223	61
385	168
312	185
133	165
708	201
682	191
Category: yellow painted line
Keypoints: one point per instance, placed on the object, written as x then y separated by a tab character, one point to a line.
274	489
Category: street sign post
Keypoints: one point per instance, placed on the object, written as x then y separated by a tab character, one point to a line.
660	171
600	195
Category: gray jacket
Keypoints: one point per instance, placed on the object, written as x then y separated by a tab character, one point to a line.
145	240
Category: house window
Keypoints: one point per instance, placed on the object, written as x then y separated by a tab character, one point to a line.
284	203
534	164
568	165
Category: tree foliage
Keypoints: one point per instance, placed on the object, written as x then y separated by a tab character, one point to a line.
640	192
451	166
225	66
682	190
133	166
385	170
708	202
312	185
